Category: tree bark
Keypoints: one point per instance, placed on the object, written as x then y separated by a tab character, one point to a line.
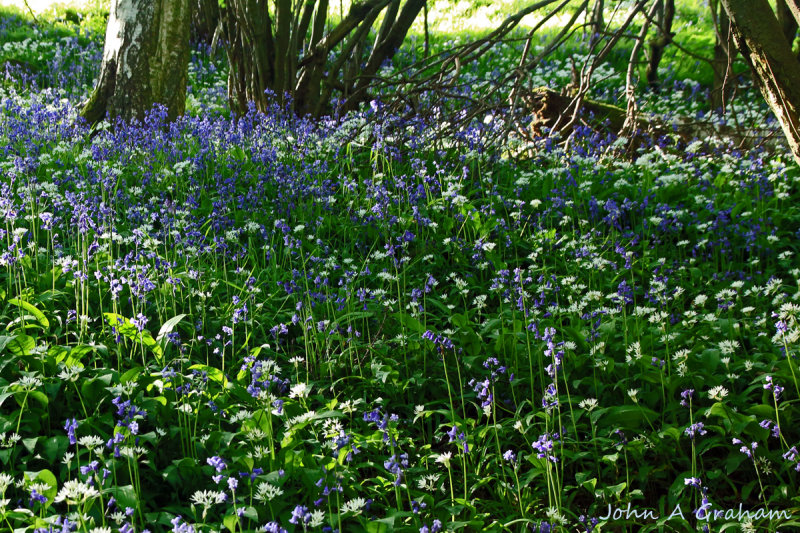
145	61
384	50
794	9
786	20
598	23
776	71
665	15
722	65
290	52
547	107
251	53
205	20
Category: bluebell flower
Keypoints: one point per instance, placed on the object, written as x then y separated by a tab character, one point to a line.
300	515
36	498
273	527
179	526
140	322
70	428
217	462
695	429
777	390
686	397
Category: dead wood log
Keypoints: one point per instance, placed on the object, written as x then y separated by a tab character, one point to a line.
548	108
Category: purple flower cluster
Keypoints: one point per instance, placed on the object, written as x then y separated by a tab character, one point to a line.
776	389
458	436
545	446
749	452
695	429
396	464
686	397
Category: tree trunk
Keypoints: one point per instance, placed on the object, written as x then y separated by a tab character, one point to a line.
722	65
786	19
776	71
665	15
383	51
251	53
205	19
598	23
145	60
290	52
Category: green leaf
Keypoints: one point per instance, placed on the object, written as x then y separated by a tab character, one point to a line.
76	352
612	490
575	335
48	478
126	328
30	444
384	525
710	359
671	431
762	411
17	345
167	328
130	375
53	448
630	416
4	396
4	340
32	309
214	374
733	421
251	513
39	396
410	323
231	522
459	320
125	496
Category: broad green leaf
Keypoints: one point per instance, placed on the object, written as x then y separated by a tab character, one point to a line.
231	522
733	421
40	397
384	525
53	448
48	478
32	309
125	496
167	328
17	344
130	375
630	416
214	374
4	396
126	328
409	322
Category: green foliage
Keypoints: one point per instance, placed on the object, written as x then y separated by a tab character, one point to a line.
220	323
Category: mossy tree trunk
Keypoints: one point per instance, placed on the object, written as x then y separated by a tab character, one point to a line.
760	39
145	60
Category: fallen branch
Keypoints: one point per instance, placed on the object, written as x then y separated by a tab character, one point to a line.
547	108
